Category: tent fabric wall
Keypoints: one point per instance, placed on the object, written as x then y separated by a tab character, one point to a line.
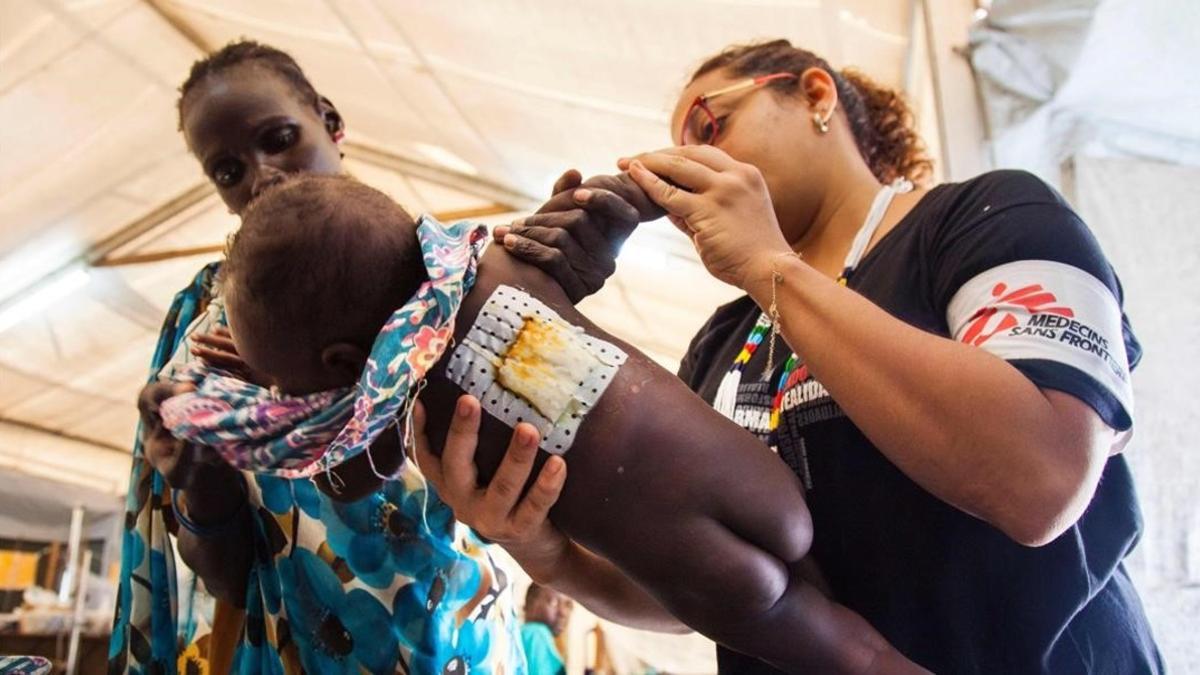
1112	78
38	509
1144	214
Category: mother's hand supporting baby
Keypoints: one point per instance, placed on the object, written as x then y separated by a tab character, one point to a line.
211	499
522	525
497	512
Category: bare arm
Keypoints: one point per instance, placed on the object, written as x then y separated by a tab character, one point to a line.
1026	460
520	524
221	560
210	498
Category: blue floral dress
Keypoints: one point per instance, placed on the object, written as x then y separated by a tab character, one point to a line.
390	583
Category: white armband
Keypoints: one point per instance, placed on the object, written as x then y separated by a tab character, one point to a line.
1041	309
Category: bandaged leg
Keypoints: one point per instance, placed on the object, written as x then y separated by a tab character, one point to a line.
526	364
684	501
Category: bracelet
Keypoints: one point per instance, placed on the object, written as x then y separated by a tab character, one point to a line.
773	310
208	531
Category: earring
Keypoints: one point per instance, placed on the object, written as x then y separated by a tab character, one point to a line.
822	124
336	132
333	125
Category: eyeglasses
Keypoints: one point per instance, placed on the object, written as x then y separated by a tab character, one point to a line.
701	126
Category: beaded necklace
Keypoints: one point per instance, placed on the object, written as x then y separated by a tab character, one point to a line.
766	327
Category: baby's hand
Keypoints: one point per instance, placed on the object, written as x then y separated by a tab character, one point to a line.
216	349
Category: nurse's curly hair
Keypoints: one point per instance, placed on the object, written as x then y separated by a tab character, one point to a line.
248	51
879	117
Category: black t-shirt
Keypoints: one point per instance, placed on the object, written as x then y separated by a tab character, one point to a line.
1003	263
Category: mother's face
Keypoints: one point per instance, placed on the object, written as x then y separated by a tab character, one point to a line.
249	128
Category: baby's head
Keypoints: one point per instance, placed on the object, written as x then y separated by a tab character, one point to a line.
316	269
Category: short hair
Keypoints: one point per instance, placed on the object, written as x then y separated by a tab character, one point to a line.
248	51
322	259
536	591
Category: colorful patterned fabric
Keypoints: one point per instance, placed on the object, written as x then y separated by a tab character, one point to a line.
145	626
295	437
390	583
24	665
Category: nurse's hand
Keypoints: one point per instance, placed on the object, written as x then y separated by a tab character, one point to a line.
497	512
722	204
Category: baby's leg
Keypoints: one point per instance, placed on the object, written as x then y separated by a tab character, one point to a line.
727	561
687	503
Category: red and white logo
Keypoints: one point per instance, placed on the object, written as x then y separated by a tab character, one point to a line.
1009	311
1027	300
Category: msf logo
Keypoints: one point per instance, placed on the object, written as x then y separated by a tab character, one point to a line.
1032	299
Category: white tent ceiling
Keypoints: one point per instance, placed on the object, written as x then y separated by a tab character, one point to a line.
452	107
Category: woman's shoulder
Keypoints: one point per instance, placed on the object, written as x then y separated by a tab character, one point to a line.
997	204
1005	187
986	195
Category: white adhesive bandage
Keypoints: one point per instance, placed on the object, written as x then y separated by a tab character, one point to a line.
526	364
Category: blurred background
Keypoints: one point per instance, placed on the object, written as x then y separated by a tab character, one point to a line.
471	109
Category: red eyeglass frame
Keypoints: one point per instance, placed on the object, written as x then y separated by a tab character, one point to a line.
702	100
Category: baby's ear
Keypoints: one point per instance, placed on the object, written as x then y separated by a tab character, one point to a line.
344	361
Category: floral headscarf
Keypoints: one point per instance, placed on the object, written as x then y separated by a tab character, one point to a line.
258	430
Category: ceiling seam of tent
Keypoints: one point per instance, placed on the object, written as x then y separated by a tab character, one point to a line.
82	146
122	236
60	474
66	16
15	44
585	102
180	25
66	435
472	185
385	72
183	219
433	74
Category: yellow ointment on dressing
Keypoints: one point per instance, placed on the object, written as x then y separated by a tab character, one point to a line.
545	365
525	363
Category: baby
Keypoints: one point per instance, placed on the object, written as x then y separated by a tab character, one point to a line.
683	500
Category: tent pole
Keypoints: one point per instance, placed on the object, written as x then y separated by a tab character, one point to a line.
73	540
77	616
171	254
